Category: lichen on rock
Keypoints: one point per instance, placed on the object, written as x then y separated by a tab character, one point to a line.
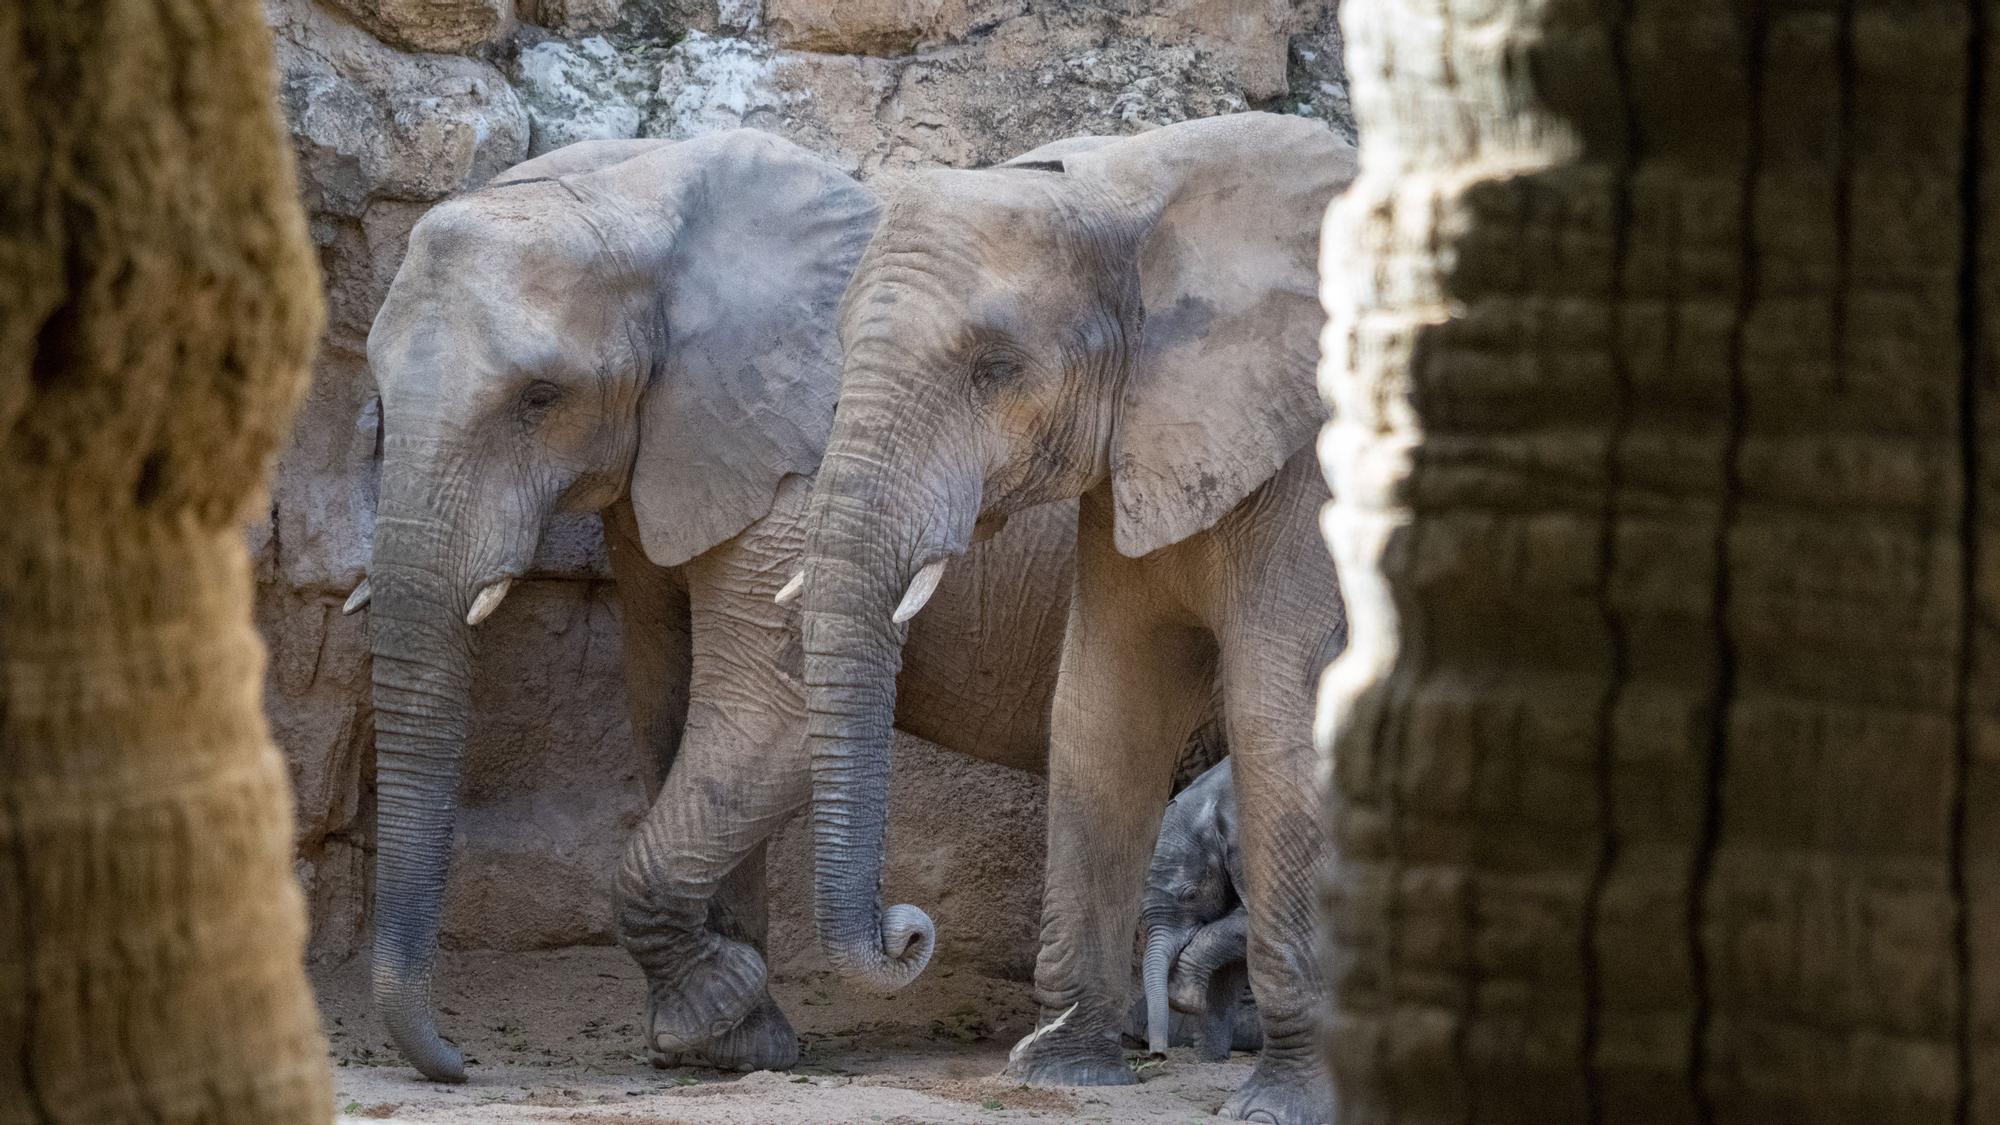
579	91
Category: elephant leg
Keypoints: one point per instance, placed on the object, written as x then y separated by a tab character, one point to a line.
1278	630
705	973
691	909
658	667
764	1039
1128	695
1218	1017
658	650
1213	949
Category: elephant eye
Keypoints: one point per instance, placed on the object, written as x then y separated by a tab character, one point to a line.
995	369
537	397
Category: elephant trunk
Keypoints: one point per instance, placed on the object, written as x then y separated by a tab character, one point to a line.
1163	943
861	560
852	656
422	679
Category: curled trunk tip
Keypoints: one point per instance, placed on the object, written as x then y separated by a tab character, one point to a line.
907	940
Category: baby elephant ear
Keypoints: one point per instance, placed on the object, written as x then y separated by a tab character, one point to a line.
763	236
1221	391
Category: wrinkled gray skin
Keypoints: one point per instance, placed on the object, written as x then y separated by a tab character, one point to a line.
1193	923
1133	323
646	328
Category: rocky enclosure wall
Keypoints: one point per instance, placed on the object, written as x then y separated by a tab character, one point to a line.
396	104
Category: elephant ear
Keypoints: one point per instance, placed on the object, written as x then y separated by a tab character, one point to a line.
1221	390
1232	841
583	156
1049	157
762	239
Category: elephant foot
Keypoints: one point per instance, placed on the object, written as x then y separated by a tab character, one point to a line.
763	1041
1066	1053
1283	1093
706	1002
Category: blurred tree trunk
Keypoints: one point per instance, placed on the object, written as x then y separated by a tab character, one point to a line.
158	304
1666	770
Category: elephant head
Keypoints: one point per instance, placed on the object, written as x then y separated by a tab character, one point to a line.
638	318
1137	312
1193	882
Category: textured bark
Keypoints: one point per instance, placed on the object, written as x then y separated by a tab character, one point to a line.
1660	350
157	307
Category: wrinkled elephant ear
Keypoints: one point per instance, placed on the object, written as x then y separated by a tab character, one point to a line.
1221	392
1231	834
583	156
762	238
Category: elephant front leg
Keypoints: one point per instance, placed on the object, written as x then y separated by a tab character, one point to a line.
1209	980
764	1039
1283	841
1124	706
691	903
1220	1002
691	890
658	645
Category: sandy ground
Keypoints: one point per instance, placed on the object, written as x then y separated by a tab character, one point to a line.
555	1037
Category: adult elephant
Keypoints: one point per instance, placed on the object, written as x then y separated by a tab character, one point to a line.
995	359
647	328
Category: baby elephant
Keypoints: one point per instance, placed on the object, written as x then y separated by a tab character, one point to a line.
1195	924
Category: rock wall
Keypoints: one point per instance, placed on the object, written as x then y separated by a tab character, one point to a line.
396	104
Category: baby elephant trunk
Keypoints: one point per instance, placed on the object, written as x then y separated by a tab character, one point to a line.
1163	943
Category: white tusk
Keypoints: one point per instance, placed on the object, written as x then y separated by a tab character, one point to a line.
1021	1048
790	593
358	598
921	588
488	601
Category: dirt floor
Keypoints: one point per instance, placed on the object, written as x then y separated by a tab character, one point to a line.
555	1037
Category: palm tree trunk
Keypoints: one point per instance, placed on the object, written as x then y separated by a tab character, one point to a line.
157	310
1660	355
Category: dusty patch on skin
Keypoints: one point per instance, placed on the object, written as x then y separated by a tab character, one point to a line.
554	1037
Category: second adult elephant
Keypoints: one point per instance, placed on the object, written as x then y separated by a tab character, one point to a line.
646	328
1129	322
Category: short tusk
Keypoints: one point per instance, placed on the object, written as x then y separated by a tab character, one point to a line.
358	598
790	593
1028	1041
921	588
488	601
